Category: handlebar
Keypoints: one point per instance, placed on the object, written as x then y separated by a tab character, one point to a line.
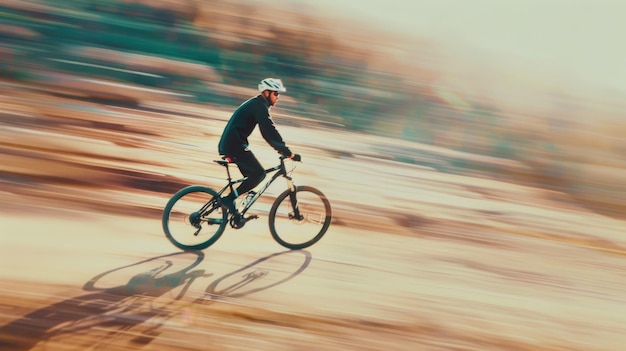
295	157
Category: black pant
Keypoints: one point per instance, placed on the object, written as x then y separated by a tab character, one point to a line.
249	167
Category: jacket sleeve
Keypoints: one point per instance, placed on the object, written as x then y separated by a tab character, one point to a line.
270	133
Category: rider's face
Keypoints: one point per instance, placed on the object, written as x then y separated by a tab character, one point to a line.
272	97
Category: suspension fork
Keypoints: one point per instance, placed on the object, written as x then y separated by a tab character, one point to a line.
292	197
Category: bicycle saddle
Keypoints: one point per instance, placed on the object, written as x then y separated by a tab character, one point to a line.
224	161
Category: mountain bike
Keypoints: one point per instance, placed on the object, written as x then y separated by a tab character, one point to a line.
194	218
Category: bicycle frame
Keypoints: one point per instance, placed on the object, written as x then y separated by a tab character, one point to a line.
278	170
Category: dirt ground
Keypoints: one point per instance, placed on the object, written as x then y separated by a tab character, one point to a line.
415	259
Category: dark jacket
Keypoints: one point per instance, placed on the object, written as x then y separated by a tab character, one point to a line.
255	111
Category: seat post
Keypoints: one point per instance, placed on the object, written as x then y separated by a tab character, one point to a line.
228	172
225	162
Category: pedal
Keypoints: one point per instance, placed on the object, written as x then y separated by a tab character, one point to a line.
241	222
246	219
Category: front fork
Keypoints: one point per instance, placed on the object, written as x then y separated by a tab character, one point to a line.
294	201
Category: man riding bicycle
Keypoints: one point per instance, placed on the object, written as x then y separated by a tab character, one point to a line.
234	145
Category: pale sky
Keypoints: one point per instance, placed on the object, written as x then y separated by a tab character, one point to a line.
582	38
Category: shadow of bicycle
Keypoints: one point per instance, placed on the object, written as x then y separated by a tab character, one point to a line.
130	314
244	281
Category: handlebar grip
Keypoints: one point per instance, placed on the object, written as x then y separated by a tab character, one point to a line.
295	157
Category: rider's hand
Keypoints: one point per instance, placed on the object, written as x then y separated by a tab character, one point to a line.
296	157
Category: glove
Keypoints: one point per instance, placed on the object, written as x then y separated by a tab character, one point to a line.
296	157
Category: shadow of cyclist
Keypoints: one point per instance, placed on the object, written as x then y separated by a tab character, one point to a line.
108	307
100	317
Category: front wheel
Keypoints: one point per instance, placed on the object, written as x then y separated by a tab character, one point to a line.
300	219
193	218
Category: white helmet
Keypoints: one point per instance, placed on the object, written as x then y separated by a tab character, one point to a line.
272	84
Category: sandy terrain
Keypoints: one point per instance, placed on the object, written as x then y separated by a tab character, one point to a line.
415	259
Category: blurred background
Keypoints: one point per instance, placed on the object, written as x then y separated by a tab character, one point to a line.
472	151
538	84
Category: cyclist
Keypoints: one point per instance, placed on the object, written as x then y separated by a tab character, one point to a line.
234	145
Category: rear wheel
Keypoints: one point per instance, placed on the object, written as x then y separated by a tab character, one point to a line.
193	218
297	230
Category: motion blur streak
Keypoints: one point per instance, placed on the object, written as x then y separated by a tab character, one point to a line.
475	207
